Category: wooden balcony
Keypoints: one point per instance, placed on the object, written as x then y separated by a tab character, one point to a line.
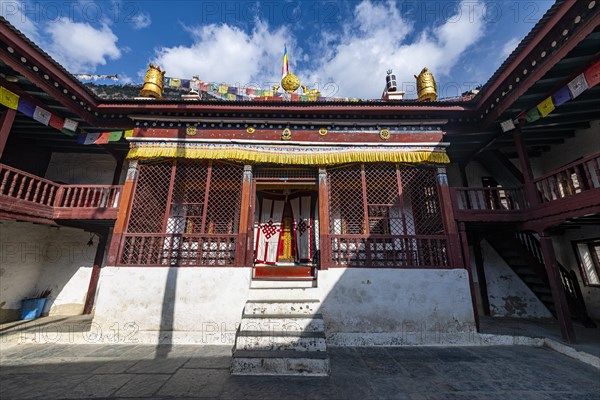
568	192
25	194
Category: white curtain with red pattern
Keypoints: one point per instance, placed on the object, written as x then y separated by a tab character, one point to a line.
302	212
269	230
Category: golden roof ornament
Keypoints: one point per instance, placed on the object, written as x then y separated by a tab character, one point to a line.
290	83
153	82
426	86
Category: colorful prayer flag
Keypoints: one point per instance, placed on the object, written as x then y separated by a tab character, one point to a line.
268	93
507	125
195	85
185	83
56	122
546	106
285	66
223	89
115	136
8	98
42	115
91	138
592	75
81	138
128	133
70	124
175	82
103	138
561	97
230	96
68	132
577	85
26	107
533	115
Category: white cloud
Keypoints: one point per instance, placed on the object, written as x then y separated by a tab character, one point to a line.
141	20
13	12
358	59
509	47
355	59
223	53
80	47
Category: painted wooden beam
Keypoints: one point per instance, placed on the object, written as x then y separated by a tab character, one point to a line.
6	121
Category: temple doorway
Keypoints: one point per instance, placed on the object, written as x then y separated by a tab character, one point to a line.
285	232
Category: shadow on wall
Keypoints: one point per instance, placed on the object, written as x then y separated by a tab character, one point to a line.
39	257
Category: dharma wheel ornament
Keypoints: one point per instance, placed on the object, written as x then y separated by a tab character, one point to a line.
286	134
153	83
290	83
426	86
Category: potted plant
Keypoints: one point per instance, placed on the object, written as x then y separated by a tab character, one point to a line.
32	307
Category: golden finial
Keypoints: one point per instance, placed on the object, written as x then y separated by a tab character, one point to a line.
290	83
153	83
426	86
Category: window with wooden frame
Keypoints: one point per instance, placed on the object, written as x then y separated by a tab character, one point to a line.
588	257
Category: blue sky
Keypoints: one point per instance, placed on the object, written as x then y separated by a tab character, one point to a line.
341	47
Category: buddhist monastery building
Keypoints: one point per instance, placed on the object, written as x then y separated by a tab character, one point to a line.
185	211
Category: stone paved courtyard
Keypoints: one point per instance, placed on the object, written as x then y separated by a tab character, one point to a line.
183	371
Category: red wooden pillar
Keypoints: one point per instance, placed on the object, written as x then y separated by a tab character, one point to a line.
531	193
98	260
467	259
6	121
324	243
242	244
558	293
456	259
123	214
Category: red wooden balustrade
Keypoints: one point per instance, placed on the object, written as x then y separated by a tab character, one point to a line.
488	199
385	251
150	249
577	177
24	193
20	185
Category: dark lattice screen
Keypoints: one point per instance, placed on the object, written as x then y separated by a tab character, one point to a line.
224	199
420	187
150	198
346	200
403	226
199	226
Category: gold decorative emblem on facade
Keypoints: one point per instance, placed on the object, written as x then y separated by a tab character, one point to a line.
191	130
323	131
426	86
250	130
153	82
286	134
290	83
384	134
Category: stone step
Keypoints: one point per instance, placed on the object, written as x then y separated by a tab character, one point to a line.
278	306
280	362
283	283
282	322
297	341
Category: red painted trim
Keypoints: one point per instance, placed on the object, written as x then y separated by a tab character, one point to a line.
283	272
6	122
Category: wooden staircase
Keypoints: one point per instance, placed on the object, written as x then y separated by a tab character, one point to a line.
522	252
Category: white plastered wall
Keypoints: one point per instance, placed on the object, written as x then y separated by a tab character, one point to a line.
360	306
38	257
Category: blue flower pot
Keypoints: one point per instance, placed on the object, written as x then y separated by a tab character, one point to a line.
32	308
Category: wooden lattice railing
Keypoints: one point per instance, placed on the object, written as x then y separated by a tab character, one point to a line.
24	193
387	251
489	199
580	176
148	249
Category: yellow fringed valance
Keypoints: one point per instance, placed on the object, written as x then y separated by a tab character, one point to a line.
339	156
